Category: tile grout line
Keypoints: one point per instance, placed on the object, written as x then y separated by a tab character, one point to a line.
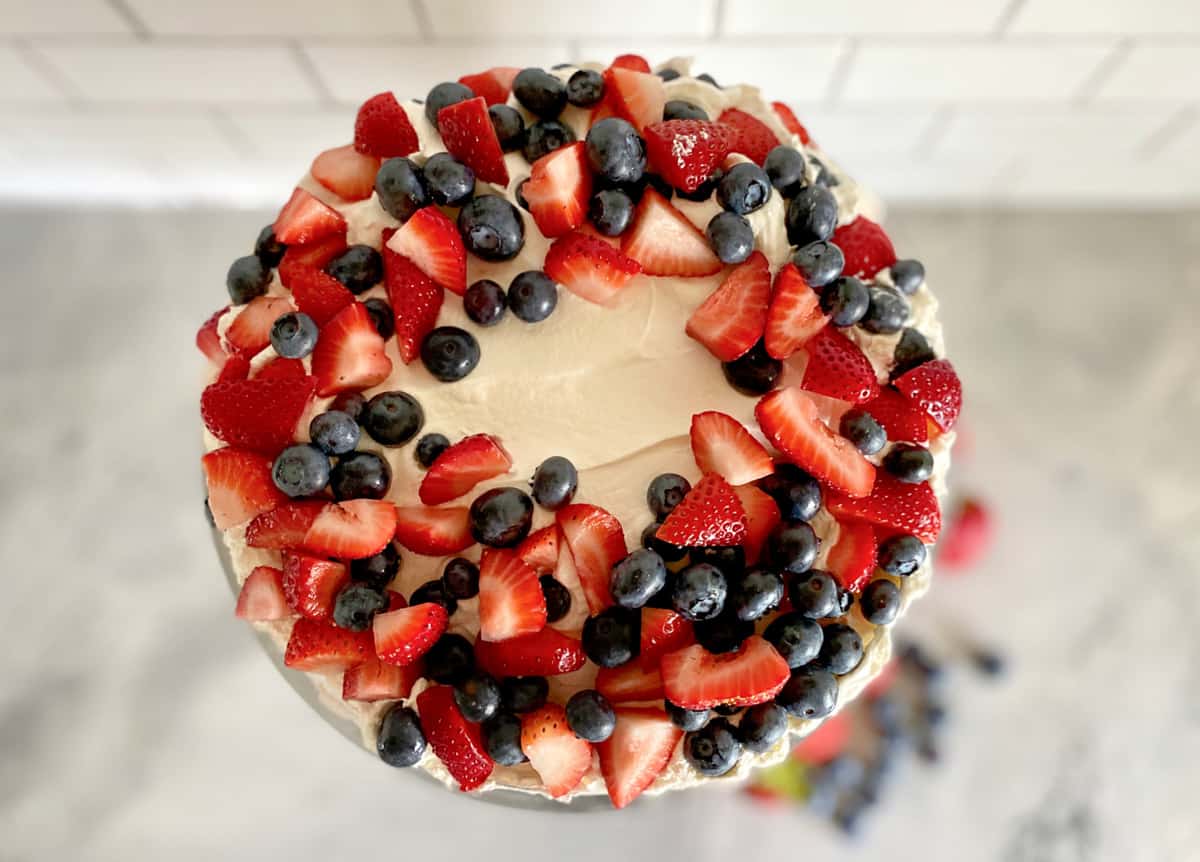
308	70
1104	71
934	131
233	134
1176	125
717	28
47	71
841	73
424	22
131	18
1007	15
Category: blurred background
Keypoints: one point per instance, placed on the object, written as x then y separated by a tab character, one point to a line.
1040	157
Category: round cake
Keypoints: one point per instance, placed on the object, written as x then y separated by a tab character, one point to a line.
578	431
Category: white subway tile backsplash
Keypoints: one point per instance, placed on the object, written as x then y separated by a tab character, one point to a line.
1049	133
867	131
1089	180
292	136
1166	71
39	17
1119	17
537	18
276	17
19	82
905	181
774	17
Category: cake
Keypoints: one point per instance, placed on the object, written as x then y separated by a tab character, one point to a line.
578	431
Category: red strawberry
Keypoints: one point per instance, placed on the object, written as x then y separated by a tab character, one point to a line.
589	267
636	62
638	751
789	419
936	389
433	531
638	680
826	742
323	647
709	515
664	631
261	598
382	129
350	353
899	417
456	742
305	219
239	486
722	445
557	755
494	85
903	506
511	602
402	636
558	190
415	298
314	255
209	342
346	172
664	242
250	331
317	293
733	318
285	526
470	137
376	680
694	678
236	367
793	125
597	543
686	152
431	241
352	529
464	465
540	549
395	600
260	415
545	653
762	516
751	136
838	368
795	314
866	247
312	584
968	536
638	97
282	369
852	558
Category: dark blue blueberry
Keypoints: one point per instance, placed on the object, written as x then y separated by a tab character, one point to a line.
880	602
524	693
359	268
668	75
400	741
485	302
762	726
460	577
356	606
429	447
613	636
797	494
754	373
616	151
730	559
509	126
908	275
502	739
376	571
841	649
911	350
611	211
845	301
351	403
360	475
449	353
590	716
795	637
909	463
819	262
334	432
382	317
247	278
301	470
401	188
450	659
500	518
708	79
815	594
731	237
638	577
434	592
825	177
670	553
450	182
792	547
554	482
678	109
705	190
923	663
539	91
811	216
727	709
660	185
557	596
294	335
744	188
532	296
860	428
519	194
723	634
478	697
666	491
699	592
686	719
268	249
988	662
444	95
491	228
887	311
544	137
714	749
755	594
784	167
809	693
585	88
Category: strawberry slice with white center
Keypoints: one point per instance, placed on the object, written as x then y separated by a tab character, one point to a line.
664	631
250	331
558	190
892	503
638	97
416	300
936	389
433	531
322	647
431	241
637	753
494	85
710	515
557	755
545	653
540	549
239	486
597	543
285	526
794	315
457	742
511	602
685	153
350	353
346	172
462	466
664	242
470	137
404	635
633	682
852	557
304	219
865	246
311	584
352	529
900	418
261	598
722	445
694	678
376	680
789	419
382	128
589	267
838	368
762	516
260	415
209	342
733	318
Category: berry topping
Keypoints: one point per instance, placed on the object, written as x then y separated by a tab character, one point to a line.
710	515
664	242
444	95
810	693
852	557
460	578
485	302
811	216
814	595
819	263
678	109
635	681
793	125
478	697
866	247
590	717
270	250
744	188
494	85
430	240
401	741
464	465
664	631
638	577
935	388
349	353
510	598
356	606
429	447
509	126
665	493
732	319
795	637
585	88
755	594
686	152
382	128
611	211
784	167
522	694
554	482
909	463
731	237
911	508
637	752
450	660
615	151
416	302
317	293
699	592
293	335
349	530
539	91
696	679
635	96
322	647
880	602
687	719
250	331
209	342
392	418
558	190
239	486
401	188
762	516
374	681
908	276
755	372
455	741
722	445
556	753
714	749
532	296
797	494
838	368
346	172
433	531
301	470
540	549
902	555
470	137
434	591
861	429
887	311
589	267
449	353
260	415
501	517
794	315
491	228
841	649
304	219
502	738
846	301
557	596
636	62
262	598
596	543
544	137
751	136
545	653
792	547
402	636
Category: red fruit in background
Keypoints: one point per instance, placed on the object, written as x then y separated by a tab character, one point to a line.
638	97
455	741
250	331
557	755
239	486
261	598
558	190
209	342
709	515
470	137
434	531
494	85
589	267
545	653
794	315
597	543
375	680
685	153
461	467
350	353
936	389
382	128
900	418
431	241
852	558
762	516
733	318
311	584
636	62
866	247
511	602
968	536
304	219
346	172
722	445
838	369
638	751
826	742
404	635
664	242
694	678
751	136
416	301
892	503
259	415
323	647
790	122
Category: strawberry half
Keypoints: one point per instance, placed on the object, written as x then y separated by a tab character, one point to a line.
838	368
457	742
722	445
311	584
431	241
900	505
282	369
382	128
791	123
545	653
261	598
694	678
285	526
239	486
470	137
597	543
461	467
557	755
494	85
900	418
404	635
589	267
511	602
433	531
375	680
968	536
636	62
751	136
686	152
762	516
350	353
305	219
236	367
349	530
314	255
852	557
558	190
790	420
633	682
638	97
209	342
317	293
346	172
540	549
323	647
250	331
638	751
865	246
794	315
664	631
710	515
664	242
936	389
733	318
416	301
260	415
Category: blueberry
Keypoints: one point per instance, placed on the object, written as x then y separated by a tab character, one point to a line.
450	659
376	571
429	447
699	592
590	716
841	649
616	151
544	137
532	296
301	470
485	302
356	606
519	194
401	188
554	482
444	95
762	726
613	636
911	350
860	428
247	278
360	475
754	373
825	177
670	553
382	317
294	335
811	216
611	211
731	560
792	547
784	167
359	268
557	596
705	190
744	188
686	719
795	637
660	185
755	594
502	739
678	109
887	311
908	275
351	403
797	494
666	491
815	595
434	592
460	577
500	518
809	693
267	248
539	91
819	262
449	353
845	300
909	463
585	88
509	126
524	693
478	697
714	749
727	709
491	228
708	79
988	662
450	182
638	577
730	236
400	741
667	75
880	602
723	634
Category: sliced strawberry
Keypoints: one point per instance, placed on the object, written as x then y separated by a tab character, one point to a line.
376	680
209	342
346	172
261	598
901	505
722	445
311	584
936	389
431	241
827	741
260	415
900	418
558	190
433	531
664	631
852	557
352	529
589	267
557	755
314	255
597	543
789	419
494	85
415	298
638	680
461	467
636	62
638	751
732	319
795	314
318	294
236	367
350	353
762	516
282	369
402	636
751	136
470	137
865	246
793	125
540	549
685	153
838	368
968	536
250	331
239	486
664	242
545	653
511	602
285	526
382	129
457	742
638	97
305	219
323	647
694	678
710	515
